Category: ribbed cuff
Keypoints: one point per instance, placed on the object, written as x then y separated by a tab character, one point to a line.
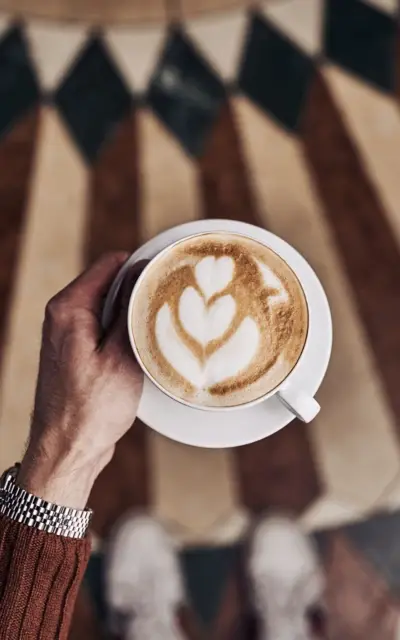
40	575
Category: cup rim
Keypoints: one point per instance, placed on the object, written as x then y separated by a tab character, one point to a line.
147	373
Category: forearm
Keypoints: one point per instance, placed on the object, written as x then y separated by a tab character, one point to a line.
40	574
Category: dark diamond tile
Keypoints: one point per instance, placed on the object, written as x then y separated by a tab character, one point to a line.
185	92
18	86
274	73
95	582
361	39
207	571
377	540
93	98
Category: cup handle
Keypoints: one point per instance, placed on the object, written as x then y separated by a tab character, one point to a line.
303	406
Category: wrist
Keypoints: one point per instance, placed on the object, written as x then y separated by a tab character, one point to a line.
65	481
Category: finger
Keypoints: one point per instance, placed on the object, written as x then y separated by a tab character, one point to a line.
88	290
118	333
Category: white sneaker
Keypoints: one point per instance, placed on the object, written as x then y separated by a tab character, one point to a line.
144	584
286	577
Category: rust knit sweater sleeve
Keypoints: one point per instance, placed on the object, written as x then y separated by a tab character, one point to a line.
40	574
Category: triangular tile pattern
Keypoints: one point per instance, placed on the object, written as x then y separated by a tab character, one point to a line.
278	472
220	37
362	40
389	6
226	189
18	87
136	51
51	242
185	92
53	46
16	160
390	499
301	20
358	601
274	72
353	205
4	24
207	572
93	98
373	119
377	540
168	178
125	482
113	211
329	512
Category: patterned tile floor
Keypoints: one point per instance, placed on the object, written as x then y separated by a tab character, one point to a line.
287	117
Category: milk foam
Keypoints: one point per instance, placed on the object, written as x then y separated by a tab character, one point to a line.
221	320
214	274
272	281
234	356
205	323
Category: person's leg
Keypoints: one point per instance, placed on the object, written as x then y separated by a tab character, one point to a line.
286	578
144	583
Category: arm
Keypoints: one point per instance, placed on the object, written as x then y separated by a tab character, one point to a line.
87	395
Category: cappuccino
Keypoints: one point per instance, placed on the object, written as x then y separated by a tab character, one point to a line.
219	320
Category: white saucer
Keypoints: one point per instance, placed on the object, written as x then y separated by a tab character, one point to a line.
234	428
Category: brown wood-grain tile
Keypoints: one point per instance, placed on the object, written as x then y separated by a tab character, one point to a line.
114	195
225	186
16	160
364	238
359	606
124	483
397	65
234	620
278	472
113	212
189	624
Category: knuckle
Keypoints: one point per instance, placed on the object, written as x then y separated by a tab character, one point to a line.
57	310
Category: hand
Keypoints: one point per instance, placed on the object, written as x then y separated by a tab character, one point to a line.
87	394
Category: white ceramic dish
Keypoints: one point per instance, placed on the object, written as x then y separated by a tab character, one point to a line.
215	429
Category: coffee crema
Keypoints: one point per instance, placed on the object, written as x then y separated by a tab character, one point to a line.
219	320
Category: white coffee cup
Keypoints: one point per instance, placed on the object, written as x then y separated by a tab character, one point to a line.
301	404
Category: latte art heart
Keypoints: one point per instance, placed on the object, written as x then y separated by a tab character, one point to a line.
205	323
214	274
228	361
219	320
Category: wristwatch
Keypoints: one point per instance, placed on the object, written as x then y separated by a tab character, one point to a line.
25	508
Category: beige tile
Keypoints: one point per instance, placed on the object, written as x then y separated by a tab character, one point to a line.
168	178
389	6
390	498
374	120
301	20
53	46
50	258
136	51
353	437
192	8
220	38
93	11
327	512
194	491
4	23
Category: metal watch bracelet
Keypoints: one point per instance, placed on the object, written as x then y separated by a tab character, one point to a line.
25	508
